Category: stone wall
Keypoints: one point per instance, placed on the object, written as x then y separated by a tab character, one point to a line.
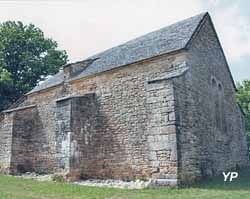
25	142
19	140
6	122
86	150
77	142
211	131
128	133
63	120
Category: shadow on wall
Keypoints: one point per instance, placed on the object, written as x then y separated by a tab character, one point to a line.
99	140
26	141
88	143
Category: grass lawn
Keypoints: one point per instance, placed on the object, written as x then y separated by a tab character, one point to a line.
11	187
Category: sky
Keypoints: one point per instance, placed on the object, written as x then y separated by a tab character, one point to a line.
86	27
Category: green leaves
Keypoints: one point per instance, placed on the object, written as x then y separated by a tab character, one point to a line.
243	98
26	57
5	76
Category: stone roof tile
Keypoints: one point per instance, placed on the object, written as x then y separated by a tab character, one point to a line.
165	40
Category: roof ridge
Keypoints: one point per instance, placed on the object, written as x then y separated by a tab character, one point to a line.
203	14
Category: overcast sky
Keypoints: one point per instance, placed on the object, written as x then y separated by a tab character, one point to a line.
86	27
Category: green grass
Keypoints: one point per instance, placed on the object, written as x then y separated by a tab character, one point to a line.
16	188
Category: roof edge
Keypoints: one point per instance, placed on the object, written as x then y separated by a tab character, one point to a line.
196	32
184	47
181	50
223	53
19	108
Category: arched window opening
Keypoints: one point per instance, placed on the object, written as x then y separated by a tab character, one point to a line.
223	126
217	110
218	101
219	87
214	84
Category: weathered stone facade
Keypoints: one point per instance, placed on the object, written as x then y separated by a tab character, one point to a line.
171	117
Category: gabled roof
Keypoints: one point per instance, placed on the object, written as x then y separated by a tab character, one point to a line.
166	40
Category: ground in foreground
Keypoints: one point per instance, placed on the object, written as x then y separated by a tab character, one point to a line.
17	188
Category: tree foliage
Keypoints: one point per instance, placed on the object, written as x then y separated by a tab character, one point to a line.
243	98
26	57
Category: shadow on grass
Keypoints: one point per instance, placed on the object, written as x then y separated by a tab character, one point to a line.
240	183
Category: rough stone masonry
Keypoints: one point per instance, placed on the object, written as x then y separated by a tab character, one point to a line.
161	107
